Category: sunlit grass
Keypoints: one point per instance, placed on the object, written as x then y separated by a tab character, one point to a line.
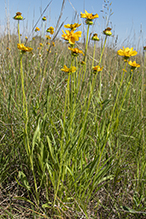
72	125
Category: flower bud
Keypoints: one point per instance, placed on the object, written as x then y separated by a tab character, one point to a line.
107	31
95	37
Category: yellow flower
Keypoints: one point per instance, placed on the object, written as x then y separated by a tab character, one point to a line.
89	17
107	31
70	36
72	26
24	48
50	30
126	52
95	37
44	18
53	44
41	44
37	29
133	65
75	51
68	70
48	37
18	16
124	70
26	38
97	69
83	62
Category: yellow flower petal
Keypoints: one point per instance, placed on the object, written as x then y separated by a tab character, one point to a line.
23	48
126	52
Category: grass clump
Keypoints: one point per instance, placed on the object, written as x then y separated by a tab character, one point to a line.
72	127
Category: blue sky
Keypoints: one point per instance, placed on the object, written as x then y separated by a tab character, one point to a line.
127	21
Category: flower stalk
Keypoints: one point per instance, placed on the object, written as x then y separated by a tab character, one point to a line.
100	77
86	47
19	32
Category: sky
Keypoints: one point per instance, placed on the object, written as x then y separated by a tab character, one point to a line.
127	21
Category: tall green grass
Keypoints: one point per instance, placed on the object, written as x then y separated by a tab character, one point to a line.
72	145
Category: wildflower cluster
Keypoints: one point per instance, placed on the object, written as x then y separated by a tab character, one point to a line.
126	53
72	37
23	48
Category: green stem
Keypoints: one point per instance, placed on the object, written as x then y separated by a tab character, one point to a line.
85	57
142	95
87	105
19	32
25	110
102	51
110	127
93	54
100	80
25	115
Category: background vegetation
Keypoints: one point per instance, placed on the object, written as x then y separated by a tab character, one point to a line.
72	145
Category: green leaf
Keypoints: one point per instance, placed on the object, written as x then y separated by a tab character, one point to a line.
47	205
132	211
35	137
24	180
24	199
51	149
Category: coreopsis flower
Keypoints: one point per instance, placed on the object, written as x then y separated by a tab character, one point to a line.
48	37
26	37
48	50
107	31
23	48
97	68
53	44
37	29
71	36
72	26
75	51
68	70
133	65
41	44
50	30
126	52
95	37
18	16
83	62
89	17
44	18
